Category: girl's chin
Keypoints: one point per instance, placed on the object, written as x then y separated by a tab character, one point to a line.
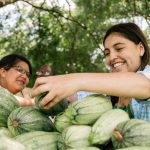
120	70
18	89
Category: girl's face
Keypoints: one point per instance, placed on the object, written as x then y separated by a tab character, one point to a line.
121	54
16	78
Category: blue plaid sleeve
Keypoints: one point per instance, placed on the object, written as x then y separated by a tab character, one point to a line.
141	108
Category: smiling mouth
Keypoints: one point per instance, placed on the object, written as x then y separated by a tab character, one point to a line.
21	82
117	65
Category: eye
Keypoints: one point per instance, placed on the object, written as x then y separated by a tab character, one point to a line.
119	48
20	70
28	74
106	53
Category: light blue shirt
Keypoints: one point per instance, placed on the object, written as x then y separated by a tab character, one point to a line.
141	108
83	94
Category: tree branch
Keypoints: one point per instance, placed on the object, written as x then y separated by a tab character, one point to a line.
55	10
6	2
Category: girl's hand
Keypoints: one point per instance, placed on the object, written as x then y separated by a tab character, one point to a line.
24	102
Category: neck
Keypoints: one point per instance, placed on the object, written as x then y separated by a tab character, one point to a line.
124	101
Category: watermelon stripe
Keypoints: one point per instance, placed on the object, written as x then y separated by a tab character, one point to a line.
135	132
29	119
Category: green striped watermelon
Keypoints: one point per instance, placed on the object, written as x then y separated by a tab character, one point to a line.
88	110
39	140
53	111
7	143
7	104
133	132
26	119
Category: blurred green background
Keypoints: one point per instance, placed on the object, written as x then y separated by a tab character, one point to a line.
66	34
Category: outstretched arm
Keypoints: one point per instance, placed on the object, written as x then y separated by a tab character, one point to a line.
117	84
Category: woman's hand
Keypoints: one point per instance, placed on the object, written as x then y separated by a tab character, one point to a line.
58	88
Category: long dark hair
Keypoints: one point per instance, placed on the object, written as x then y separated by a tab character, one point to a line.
10	60
132	32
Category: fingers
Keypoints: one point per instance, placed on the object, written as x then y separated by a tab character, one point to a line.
39	81
54	85
50	100
24	102
51	103
27	103
41	85
38	90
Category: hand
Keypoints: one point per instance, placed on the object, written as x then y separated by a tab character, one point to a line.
58	88
27	103
23	102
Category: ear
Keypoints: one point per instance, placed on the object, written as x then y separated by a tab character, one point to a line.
141	49
2	72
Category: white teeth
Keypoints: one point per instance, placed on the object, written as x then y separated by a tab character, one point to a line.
117	65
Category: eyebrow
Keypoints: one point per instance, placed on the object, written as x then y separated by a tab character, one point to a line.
117	44
22	68
114	45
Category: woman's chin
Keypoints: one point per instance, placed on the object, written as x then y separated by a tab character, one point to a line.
120	70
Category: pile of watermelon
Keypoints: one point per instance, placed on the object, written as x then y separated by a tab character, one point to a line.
89	124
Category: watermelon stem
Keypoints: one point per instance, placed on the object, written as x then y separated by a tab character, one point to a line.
118	135
15	123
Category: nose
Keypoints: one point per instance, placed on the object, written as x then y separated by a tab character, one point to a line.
24	75
112	57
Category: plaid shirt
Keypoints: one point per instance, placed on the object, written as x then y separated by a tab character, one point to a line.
141	108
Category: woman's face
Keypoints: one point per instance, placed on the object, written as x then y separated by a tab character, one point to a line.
16	78
121	54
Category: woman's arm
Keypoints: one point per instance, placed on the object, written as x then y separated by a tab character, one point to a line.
117	84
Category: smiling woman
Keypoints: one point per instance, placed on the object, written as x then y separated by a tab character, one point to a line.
15	71
127	55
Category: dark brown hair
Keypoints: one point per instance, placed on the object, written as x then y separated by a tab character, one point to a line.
45	70
10	60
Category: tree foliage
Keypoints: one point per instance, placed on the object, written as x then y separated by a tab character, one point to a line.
69	38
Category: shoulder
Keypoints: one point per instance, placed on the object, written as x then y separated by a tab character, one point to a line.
147	68
145	72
